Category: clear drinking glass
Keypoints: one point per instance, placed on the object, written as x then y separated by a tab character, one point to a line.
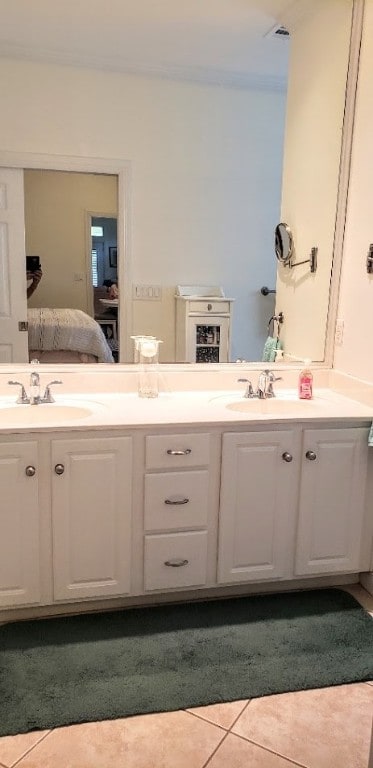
148	361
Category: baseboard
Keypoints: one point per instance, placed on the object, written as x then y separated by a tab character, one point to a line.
366	580
212	593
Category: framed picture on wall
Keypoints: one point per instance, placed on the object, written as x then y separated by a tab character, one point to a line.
113	257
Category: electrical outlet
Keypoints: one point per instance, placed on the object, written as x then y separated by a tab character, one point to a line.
339	330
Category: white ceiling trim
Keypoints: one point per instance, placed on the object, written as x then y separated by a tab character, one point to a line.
201	75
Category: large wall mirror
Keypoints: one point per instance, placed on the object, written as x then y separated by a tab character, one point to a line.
207	173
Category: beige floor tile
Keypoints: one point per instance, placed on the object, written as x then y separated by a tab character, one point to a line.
13	747
325	728
237	753
148	741
361	595
220	714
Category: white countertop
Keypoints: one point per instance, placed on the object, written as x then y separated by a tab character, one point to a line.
189	408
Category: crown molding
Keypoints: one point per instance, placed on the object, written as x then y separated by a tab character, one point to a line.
191	74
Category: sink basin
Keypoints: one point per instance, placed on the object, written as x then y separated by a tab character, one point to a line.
272	406
46	413
286	404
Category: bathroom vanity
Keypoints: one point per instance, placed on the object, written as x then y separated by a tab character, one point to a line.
114	500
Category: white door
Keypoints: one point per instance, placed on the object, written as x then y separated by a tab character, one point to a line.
332	497
91	517
257	506
13	294
19	525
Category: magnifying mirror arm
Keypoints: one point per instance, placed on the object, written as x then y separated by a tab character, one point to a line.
312	261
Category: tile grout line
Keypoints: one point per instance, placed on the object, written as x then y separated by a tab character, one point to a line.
18	762
241	713
215	750
271	751
217	725
204	720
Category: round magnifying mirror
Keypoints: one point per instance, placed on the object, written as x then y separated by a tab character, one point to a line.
284	245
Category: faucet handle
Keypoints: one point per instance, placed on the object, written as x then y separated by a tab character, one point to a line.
48	397
272	376
249	392
22	398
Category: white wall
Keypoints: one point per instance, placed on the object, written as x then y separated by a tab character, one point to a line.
316	100
206	174
355	355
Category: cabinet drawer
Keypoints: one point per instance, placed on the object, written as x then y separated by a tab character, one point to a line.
175	451
175	500
175	560
209	307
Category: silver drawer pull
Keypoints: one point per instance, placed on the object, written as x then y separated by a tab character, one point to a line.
179	453
177	563
181	501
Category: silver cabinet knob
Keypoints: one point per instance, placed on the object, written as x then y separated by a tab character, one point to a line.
209	307
59	469
287	456
311	456
176	563
30	471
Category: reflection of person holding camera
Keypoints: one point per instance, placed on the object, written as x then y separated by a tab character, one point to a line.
35	278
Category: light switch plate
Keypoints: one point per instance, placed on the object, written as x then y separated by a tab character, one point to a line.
147	292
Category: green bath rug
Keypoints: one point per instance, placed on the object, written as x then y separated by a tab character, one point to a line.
75	669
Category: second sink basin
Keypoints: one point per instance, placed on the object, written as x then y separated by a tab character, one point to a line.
288	405
272	405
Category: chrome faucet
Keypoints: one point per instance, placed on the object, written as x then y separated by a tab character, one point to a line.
265	384
35	398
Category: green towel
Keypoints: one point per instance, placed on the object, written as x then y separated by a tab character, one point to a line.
272	344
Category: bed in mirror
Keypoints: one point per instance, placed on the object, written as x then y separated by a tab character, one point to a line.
197	207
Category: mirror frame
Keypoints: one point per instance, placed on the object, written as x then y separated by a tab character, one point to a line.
122	169
279	244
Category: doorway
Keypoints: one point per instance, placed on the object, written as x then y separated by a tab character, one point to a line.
104	274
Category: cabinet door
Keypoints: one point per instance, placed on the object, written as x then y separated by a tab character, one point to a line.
19	525
91	513
208	339
257	508
332	497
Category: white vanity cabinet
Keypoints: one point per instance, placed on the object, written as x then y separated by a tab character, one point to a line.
293	504
19	524
91	516
257	506
180	511
332	501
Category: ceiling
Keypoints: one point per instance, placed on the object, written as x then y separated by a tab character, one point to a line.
219	41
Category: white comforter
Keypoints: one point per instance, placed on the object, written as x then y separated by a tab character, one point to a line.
68	329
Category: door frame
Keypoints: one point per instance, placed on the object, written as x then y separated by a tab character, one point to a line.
116	167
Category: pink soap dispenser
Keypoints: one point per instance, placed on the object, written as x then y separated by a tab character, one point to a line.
305	382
